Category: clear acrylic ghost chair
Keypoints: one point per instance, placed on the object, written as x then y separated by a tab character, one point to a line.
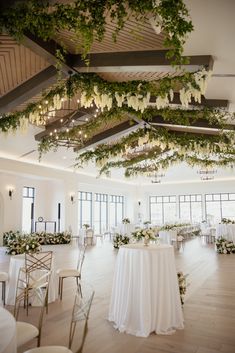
38	295
81	311
71	272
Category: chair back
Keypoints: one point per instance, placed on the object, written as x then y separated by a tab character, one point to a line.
37	293
38	261
81	257
81	310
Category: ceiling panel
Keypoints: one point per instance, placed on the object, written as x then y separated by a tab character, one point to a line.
17	64
134	36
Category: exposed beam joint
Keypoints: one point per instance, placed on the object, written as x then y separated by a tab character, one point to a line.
47	50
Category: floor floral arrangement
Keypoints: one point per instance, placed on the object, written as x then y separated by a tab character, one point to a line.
182	285
224	246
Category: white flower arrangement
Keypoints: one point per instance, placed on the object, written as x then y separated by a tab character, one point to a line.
227	221
147	234
126	221
119	240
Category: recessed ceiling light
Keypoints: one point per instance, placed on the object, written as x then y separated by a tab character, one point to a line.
64	157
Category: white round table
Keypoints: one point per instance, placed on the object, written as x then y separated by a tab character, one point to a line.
7	332
18	261
145	295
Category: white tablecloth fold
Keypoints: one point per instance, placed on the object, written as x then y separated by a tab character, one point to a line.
145	295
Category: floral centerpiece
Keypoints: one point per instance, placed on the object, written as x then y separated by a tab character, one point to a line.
224	246
126	221
86	226
146	234
173	226
227	221
119	240
182	285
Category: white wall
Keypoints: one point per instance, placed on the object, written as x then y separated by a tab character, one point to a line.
52	186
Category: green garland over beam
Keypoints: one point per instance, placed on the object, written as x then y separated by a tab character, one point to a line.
165	139
95	88
165	163
88	20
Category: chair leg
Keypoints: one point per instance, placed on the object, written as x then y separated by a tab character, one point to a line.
4	293
61	288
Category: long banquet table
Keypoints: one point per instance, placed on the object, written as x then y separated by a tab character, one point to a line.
145	294
18	261
226	231
7	332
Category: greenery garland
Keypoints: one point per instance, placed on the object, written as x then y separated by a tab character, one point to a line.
75	135
163	139
167	161
92	86
88	20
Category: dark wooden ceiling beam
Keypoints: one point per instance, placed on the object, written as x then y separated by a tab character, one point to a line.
209	103
202	123
114	132
150	60
28	89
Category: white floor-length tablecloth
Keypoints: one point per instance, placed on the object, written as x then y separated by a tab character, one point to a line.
166	236
18	261
7	332
145	295
226	231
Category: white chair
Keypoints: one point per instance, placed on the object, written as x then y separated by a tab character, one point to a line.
81	311
3	280
71	272
99	236
179	241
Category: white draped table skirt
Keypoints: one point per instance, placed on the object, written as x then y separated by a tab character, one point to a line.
226	231
145	295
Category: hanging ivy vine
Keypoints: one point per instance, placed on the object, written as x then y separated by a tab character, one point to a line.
88	20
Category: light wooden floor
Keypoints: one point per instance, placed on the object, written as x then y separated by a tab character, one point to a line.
209	309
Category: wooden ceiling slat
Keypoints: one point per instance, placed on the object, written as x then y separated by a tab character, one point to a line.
19	64
4	73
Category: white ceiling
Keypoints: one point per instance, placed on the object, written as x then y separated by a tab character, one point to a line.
213	35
